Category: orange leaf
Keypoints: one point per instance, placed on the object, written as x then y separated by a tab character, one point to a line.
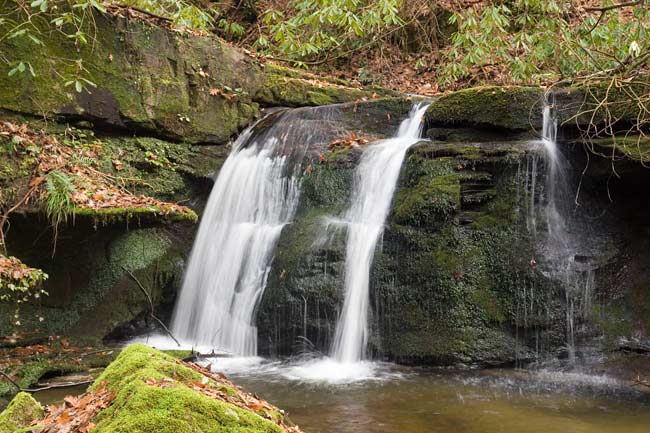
36	181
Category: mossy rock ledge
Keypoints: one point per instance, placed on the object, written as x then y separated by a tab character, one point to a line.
490	112
446	279
174	407
454	279
505	108
149	78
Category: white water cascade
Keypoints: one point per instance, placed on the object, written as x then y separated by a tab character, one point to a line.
254	197
563	246
374	184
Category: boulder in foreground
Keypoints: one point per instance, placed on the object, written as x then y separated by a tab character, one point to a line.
145	391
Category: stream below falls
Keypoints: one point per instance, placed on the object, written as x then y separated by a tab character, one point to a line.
416	400
405	400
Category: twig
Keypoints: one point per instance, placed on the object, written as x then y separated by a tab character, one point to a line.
614	6
142	11
5	216
153	316
61	385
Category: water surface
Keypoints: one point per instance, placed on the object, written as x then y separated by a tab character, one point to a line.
401	400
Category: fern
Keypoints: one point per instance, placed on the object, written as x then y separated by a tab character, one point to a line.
82	160
58	200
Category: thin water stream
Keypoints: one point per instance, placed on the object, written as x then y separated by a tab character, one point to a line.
374	184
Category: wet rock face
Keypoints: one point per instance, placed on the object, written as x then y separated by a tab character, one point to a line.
461	275
622	299
90	290
444	283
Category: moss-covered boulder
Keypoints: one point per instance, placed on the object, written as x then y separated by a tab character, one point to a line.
169	82
154	392
20	413
486	113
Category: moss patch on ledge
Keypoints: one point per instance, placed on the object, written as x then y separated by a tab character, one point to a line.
504	107
634	148
142	214
283	86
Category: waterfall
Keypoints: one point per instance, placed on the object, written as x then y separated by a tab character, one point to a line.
374	184
562	246
254	197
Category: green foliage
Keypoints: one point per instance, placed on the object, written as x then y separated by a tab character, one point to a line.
34	21
231	29
532	41
58	198
182	14
320	27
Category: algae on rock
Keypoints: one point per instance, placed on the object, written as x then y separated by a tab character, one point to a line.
502	107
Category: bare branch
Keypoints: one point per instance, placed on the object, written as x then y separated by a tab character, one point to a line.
614	6
151	309
43	388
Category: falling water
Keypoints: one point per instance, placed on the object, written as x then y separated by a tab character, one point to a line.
254	197
374	185
562	245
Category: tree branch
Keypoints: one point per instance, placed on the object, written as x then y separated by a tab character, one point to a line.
614	6
62	385
151	311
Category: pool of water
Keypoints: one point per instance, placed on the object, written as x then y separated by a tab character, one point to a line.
401	400
323	396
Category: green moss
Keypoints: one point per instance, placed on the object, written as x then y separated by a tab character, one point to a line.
430	203
30	373
328	185
151	78
147	253
20	413
447	280
489	303
174	408
32	370
118	214
635	148
180	354
506	107
500	211
294	89
614	320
